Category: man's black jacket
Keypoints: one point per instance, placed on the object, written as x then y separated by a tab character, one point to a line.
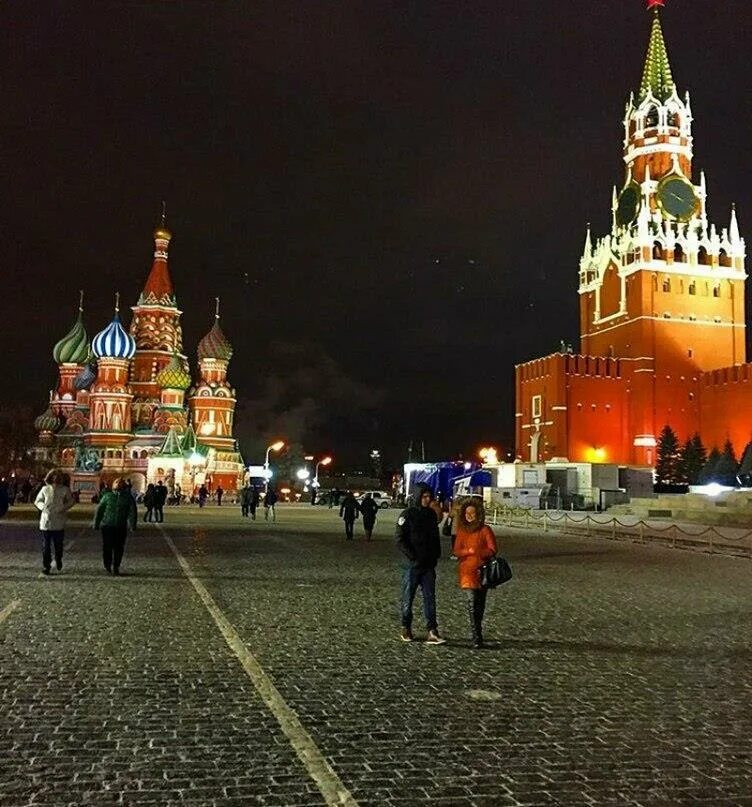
418	537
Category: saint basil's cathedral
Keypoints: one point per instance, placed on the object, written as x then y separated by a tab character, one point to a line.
126	405
662	322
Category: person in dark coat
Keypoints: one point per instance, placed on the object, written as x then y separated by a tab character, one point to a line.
348	511
270	503
150	501
203	495
220	494
245	500
253	504
116	511
160	497
368	509
4	498
418	539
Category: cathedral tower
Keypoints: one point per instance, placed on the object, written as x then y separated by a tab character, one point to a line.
156	330
212	400
110	397
70	353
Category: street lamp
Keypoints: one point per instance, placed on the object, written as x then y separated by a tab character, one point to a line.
325	461
303	474
278	446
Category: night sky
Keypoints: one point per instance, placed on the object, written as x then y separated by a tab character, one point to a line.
390	198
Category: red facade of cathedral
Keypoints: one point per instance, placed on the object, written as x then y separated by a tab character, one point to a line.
662	325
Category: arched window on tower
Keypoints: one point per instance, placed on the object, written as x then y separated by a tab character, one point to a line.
717	290
657	251
723	258
702	257
655	283
693	287
674	119
679	256
666	284
651	119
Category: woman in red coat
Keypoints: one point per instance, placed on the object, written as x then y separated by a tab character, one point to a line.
474	545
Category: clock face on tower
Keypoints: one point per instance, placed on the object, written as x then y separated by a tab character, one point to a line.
629	205
677	198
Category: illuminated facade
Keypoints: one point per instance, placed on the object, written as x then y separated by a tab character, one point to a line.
120	408
662	324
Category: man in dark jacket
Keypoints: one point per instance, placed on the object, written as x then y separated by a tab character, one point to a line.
348	512
160	497
418	540
115	512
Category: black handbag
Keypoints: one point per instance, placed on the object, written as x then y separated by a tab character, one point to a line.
494	572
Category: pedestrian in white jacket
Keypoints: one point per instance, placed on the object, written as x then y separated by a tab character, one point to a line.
53	501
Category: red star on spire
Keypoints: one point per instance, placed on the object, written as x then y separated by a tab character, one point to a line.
656	3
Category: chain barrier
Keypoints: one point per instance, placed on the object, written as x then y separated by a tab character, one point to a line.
712	539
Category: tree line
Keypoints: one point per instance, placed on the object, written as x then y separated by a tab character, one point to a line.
691	463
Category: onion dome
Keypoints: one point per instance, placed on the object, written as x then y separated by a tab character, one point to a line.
85	378
174	375
48	421
73	348
215	345
113	342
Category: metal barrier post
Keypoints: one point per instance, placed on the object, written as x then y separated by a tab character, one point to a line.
587	525
710	542
613	529
642	531
545	522
673	537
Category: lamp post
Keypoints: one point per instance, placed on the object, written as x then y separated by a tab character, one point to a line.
278	446
324	461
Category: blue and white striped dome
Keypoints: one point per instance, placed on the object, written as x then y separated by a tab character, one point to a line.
113	342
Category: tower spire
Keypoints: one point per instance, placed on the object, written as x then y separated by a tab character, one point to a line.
656	77
158	289
216	310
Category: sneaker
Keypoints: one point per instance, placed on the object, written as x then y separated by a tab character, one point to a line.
434	638
407	635
45	571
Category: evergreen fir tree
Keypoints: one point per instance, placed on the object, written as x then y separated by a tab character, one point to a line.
667	457
745	466
708	473
725	472
693	458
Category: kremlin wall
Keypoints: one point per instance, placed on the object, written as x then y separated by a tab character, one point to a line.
126	404
662	322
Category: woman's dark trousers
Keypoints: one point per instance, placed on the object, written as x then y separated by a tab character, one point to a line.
50	537
349	528
476	607
113	546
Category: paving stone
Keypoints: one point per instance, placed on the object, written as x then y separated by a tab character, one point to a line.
623	670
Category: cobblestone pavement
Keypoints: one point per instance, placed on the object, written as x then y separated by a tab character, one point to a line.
618	674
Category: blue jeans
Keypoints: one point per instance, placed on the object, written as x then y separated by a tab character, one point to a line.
425	579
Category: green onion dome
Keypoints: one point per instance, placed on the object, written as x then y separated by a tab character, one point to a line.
174	375
215	345
73	348
48	421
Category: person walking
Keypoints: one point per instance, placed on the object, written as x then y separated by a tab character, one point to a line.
6	496
418	539
245	500
203	495
270	503
474	544
348	511
253	502
53	502
160	497
220	494
116	511
150	500
368	509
